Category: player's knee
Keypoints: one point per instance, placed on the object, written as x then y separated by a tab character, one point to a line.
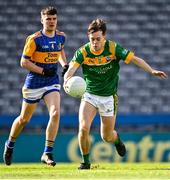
54	114
23	121
83	132
106	137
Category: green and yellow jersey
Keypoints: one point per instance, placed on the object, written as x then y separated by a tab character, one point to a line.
101	70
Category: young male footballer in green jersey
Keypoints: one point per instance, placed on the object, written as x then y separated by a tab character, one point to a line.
100	65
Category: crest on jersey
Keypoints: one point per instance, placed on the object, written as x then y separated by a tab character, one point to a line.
59	46
108	58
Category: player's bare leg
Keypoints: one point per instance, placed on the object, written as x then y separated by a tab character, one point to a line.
17	126
86	114
52	101
108	134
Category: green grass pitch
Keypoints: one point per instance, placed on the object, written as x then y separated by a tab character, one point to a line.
99	171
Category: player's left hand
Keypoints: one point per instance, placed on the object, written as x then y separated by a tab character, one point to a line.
65	68
49	72
160	74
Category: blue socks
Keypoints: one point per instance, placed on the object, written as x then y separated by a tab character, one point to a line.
48	149
10	144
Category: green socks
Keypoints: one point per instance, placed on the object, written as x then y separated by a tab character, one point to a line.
117	140
86	159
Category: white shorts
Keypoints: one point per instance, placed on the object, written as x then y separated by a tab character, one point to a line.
35	95
104	104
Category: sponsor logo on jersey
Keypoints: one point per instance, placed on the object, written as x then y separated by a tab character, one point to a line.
101	70
51	58
91	61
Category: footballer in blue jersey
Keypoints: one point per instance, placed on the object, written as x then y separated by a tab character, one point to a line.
42	52
45	52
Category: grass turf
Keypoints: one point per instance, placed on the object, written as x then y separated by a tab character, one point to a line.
98	171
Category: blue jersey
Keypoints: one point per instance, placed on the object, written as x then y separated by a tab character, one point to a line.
45	52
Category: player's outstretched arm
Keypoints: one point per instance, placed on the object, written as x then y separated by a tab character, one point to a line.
70	72
145	66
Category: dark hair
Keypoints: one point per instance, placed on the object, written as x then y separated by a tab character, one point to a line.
97	25
50	10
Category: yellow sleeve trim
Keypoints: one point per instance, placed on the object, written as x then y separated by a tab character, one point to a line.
84	52
112	47
74	64
129	57
29	47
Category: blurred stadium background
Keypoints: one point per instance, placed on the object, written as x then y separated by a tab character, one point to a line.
144	101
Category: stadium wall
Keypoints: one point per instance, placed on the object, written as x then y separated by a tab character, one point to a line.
141	147
71	120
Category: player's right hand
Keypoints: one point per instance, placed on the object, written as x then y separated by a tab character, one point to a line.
49	72
160	74
65	68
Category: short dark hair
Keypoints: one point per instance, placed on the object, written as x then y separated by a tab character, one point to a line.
97	25
50	10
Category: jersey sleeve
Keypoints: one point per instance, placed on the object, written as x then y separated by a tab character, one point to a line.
29	48
78	58
123	54
63	39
